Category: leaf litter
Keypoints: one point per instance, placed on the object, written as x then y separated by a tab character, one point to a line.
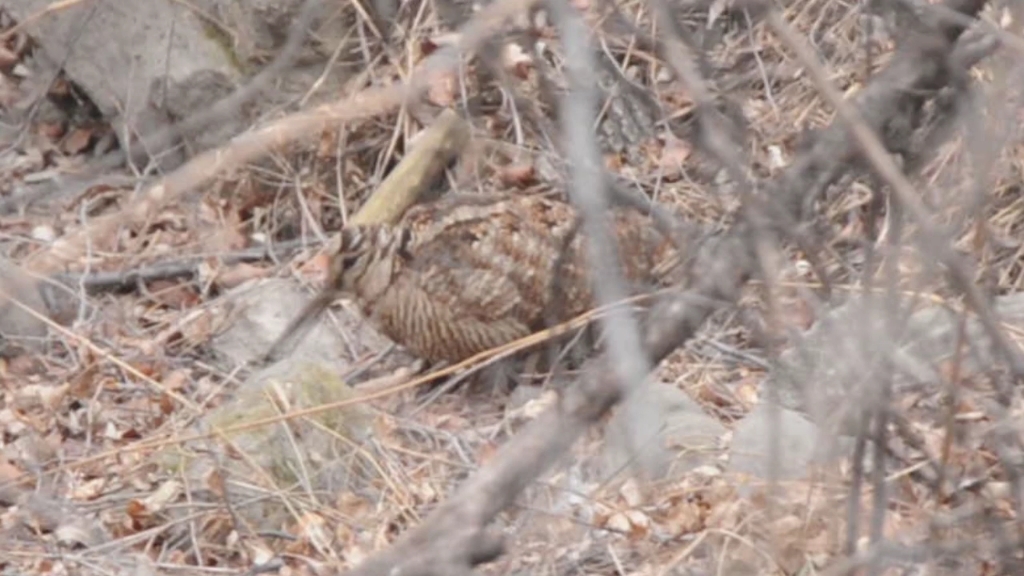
339	485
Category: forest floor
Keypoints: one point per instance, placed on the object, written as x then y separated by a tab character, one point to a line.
109	461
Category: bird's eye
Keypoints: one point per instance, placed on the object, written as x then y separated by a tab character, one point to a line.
349	260
351	239
404	238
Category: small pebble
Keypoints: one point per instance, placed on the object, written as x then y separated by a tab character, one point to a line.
44	233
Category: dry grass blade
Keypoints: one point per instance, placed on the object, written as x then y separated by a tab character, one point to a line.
372	392
132	416
50	8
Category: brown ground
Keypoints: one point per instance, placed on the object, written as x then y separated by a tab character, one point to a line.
134	367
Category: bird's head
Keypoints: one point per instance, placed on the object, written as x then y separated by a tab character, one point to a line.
367	258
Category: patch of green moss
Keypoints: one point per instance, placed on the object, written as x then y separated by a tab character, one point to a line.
223	39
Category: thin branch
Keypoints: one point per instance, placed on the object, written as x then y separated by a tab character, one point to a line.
589	192
99	282
456	532
933	240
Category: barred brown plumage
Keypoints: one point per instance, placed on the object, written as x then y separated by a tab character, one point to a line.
467	273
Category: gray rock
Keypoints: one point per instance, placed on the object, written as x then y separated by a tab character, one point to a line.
690	436
168	43
18	327
261	310
185	57
315	450
798	443
836	367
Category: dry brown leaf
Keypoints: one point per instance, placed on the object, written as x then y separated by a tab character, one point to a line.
89	490
167	404
613	162
197	327
215	482
15	423
316	266
788	525
352	504
516	60
672	159
634	523
167	493
136	510
726	514
238	274
31	396
444	90
618	522
521	175
22	365
424	492
8	58
259	553
111	431
9	473
50	130
446	39
174	295
327	145
176	380
748	393
684	517
77	141
631	493
313	529
84	385
355	555
227	227
539	405
60	87
76	535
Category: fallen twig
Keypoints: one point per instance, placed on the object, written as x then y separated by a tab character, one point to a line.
434	150
99	282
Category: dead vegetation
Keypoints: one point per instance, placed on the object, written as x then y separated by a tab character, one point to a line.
834	390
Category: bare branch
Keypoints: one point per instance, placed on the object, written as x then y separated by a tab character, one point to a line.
933	240
446	539
589	192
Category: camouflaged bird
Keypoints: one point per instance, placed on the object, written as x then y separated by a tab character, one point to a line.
470	272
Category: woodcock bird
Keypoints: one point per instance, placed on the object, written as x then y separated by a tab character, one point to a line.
471	272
